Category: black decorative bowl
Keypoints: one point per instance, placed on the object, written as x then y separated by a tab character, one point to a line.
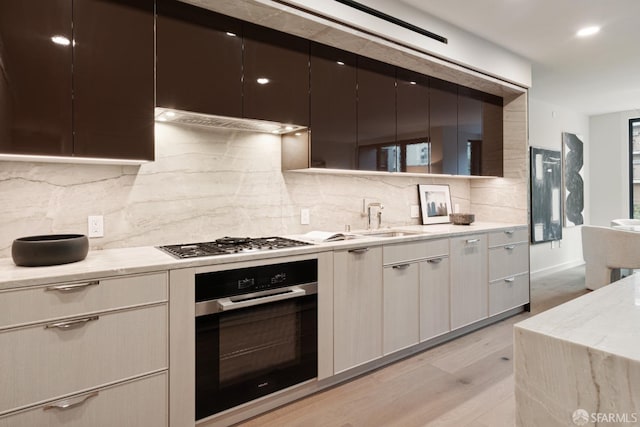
50	249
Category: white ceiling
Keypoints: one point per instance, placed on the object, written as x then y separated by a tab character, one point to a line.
594	75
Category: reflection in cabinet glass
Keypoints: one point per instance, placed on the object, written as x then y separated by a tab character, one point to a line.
443	108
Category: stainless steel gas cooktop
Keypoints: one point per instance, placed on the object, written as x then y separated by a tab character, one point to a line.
230	245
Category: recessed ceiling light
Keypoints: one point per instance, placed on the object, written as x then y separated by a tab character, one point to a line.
230	34
588	31
339	62
413	83
262	80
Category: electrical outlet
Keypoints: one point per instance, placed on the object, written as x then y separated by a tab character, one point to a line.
95	226
304	216
415	211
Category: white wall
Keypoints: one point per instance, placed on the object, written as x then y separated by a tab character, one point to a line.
609	167
546	124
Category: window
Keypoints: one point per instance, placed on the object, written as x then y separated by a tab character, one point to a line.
634	168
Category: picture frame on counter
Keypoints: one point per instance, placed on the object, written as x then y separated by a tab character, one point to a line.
435	203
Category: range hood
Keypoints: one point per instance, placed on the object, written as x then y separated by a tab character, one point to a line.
180	117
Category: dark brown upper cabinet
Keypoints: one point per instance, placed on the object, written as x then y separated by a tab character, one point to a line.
470	141
113	78
443	122
77	78
376	116
276	76
412	121
333	108
35	77
199	60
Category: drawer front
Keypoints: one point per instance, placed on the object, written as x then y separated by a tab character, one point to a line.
510	235
139	403
43	303
508	293
44	361
414	250
508	260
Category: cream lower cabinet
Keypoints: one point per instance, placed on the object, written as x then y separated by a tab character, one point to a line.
85	354
508	270
415	293
401	306
469	280
357	307
434	296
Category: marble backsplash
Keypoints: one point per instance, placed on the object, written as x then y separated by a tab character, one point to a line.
204	184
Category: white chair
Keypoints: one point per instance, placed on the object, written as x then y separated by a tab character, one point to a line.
605	251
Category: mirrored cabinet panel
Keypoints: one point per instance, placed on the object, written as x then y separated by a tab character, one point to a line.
443	122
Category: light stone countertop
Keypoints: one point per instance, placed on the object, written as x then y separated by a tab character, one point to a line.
115	262
579	363
607	319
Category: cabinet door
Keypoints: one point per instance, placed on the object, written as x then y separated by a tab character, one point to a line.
434	297
199	60
412	121
492	136
376	116
113	79
276	76
333	108
357	307
469	281
443	122
35	77
401	306
138	403
470	141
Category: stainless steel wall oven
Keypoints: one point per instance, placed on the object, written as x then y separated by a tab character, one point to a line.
256	332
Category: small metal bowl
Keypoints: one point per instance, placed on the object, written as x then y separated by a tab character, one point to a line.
50	249
462	218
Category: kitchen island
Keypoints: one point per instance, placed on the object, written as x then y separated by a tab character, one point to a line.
579	363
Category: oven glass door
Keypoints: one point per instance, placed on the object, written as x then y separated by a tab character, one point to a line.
250	352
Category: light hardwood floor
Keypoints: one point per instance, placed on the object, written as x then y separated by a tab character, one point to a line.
465	382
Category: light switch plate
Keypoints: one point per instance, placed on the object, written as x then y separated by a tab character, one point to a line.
415	211
304	216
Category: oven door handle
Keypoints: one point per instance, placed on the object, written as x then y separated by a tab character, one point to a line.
227	304
233	303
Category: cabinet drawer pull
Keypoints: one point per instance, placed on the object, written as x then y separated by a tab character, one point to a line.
509	232
510	280
470	241
434	261
71	324
73	288
358	251
510	247
401	266
71	402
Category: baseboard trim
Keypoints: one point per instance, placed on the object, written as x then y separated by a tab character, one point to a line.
555	268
